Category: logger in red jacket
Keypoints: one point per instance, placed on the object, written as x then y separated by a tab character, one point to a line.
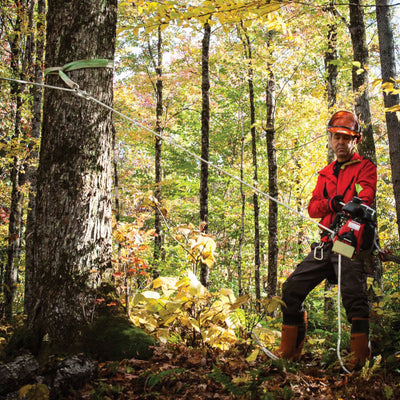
350	175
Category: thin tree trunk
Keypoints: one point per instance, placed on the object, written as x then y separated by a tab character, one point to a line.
18	67
257	258
30	170
14	227
205	140
331	68
272	280
121	266
388	68
243	208
158	150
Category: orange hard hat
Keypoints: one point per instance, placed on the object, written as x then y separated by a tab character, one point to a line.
345	122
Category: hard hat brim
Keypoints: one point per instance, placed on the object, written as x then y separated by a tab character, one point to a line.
345	131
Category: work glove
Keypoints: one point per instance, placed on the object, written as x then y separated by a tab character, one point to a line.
334	203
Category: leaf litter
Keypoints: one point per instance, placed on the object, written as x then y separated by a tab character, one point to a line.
184	373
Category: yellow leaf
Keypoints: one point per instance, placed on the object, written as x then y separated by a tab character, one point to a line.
149	294
272	303
195	324
153	306
164	283
151	324
170	319
393	109
137	299
242	379
376	82
228	293
34	392
196	288
239	301
207	253
253	356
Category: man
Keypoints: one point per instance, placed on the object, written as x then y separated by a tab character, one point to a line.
350	175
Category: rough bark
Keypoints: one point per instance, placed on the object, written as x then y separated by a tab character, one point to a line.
360	88
158	152
30	170
331	69
256	206
272	280
205	140
73	212
360	79
18	68
243	211
388	68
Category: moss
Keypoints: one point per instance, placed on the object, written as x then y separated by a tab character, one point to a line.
111	335
23	338
114	337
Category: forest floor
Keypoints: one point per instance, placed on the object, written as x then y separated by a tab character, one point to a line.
179	372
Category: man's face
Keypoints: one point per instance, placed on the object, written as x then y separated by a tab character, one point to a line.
343	145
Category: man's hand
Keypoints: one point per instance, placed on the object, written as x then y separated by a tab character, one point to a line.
334	203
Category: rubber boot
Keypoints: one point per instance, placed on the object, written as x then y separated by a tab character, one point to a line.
292	341
359	343
287	348
301	337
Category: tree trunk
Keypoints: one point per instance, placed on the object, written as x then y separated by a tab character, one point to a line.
18	68
158	150
257	258
360	79
243	208
30	169
331	68
14	227
388	68
360	88
205	140
73	211
273	250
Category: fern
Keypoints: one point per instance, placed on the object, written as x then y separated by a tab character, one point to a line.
224	380
155	379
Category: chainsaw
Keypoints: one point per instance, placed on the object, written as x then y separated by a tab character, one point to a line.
355	233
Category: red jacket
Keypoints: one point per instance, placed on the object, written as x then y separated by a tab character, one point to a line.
357	177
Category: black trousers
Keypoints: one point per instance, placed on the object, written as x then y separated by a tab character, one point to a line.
311	271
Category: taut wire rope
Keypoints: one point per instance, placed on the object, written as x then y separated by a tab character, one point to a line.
76	90
87	96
